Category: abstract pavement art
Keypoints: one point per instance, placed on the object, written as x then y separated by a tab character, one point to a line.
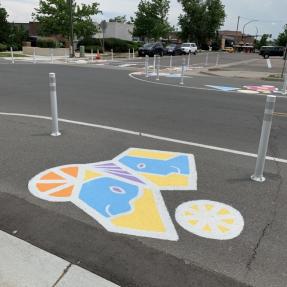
124	194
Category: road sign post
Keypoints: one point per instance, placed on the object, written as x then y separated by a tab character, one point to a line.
264	139
54	105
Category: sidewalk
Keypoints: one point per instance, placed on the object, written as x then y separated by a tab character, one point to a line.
24	265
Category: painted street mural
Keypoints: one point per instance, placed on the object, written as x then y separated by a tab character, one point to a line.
249	89
124	195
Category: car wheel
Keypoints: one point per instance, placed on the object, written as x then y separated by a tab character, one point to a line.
266	56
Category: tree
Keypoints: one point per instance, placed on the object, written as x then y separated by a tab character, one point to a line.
17	35
201	20
262	42
53	16
282	37
151	19
4	25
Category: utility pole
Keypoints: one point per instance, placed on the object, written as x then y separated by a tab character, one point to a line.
72	48
236	40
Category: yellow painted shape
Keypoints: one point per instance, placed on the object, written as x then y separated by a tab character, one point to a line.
174	179
223	229
151	154
209	207
193	222
228	220
195	207
145	216
89	174
207	228
223	211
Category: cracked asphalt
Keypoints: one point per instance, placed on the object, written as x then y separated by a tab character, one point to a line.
255	258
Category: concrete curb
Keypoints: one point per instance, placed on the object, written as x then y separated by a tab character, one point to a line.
22	264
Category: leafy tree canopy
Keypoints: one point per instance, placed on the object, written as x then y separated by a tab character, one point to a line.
4	25
201	20
151	19
282	37
53	16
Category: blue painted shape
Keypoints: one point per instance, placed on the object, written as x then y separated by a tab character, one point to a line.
109	196
223	88
179	164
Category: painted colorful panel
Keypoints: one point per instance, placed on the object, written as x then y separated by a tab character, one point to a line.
166	170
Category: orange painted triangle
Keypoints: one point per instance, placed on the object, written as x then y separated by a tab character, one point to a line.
48	186
52	176
66	192
73	171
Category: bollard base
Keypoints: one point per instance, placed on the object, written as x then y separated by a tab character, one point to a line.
181	83
56	134
257	178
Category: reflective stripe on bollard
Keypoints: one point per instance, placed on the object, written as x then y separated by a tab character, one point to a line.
54	105
264	139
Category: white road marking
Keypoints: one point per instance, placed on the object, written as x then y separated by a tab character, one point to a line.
210	147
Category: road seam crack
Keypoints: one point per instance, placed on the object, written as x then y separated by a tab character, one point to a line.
65	271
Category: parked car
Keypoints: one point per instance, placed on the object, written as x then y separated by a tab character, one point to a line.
188	48
228	49
267	51
152	49
174	49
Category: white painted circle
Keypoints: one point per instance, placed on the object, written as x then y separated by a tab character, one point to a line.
210	219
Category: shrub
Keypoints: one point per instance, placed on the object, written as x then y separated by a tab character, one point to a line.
117	45
3	47
48	43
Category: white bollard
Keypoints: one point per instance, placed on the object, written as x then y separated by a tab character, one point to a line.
157	68
188	61
170	62
146	65
34	55
264	139
206	59
182	72
269	65
66	56
92	52
133	53
129	54
285	84
112	54
217	60
54	105
12	55
52	56
154	62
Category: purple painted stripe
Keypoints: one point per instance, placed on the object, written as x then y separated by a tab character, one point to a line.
105	165
130	177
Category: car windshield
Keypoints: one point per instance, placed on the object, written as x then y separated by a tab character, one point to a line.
185	45
148	45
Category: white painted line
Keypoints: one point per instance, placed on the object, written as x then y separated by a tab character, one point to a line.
22	264
210	147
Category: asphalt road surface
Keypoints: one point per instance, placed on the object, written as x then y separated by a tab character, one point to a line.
110	97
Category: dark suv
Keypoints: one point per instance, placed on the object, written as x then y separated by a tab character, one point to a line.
152	49
267	51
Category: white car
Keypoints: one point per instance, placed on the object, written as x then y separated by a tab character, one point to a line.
189	48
